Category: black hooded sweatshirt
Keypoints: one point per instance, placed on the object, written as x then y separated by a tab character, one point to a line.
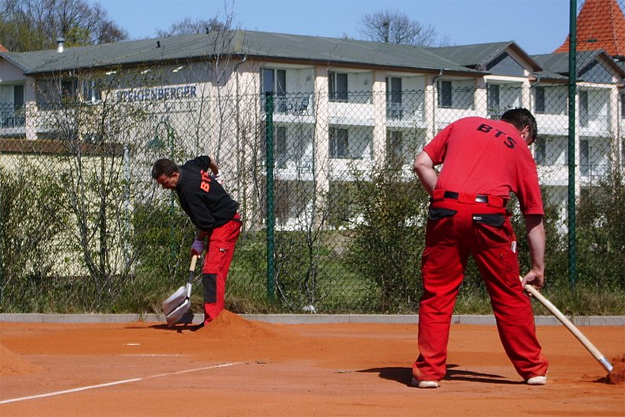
203	199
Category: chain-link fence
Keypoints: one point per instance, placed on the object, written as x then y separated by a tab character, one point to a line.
85	228
333	215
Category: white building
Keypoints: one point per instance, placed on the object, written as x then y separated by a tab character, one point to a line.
338	104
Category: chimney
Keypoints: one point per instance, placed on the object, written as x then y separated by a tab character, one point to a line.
59	45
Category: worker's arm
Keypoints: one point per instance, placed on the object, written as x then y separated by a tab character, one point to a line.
424	168
536	240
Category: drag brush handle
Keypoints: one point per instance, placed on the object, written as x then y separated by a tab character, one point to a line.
567	323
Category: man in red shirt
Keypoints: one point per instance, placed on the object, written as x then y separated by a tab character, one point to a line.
483	162
214	214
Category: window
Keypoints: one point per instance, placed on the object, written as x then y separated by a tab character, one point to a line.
444	94
539	99
18	96
493	98
583	108
337	86
12	111
268	81
394	98
339	143
584	157
280	147
274	81
540	150
68	90
91	91
394	145
622	105
19	118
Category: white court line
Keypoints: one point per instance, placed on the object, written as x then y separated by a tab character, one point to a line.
109	384
134	355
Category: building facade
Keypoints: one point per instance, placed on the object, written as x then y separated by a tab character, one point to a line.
338	107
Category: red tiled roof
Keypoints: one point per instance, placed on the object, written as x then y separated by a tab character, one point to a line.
3	49
600	25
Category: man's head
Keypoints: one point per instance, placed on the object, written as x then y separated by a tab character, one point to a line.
525	123
166	173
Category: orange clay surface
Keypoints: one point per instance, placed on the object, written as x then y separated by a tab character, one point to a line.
238	367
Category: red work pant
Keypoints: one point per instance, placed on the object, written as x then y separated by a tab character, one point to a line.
450	239
219	252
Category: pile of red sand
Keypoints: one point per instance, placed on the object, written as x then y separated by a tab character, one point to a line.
12	364
617	375
233	326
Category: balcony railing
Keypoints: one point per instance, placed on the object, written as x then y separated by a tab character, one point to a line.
12	116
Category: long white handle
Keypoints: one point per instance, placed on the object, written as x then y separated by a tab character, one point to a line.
567	323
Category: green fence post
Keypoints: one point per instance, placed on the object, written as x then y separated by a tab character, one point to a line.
1	269
571	144
270	202
172	209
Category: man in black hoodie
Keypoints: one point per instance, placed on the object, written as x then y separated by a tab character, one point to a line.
214	214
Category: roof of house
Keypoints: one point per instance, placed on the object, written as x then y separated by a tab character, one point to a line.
477	56
464	59
559	62
600	25
3	48
262	45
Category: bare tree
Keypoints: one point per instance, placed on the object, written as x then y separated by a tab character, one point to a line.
395	27
29	25
189	26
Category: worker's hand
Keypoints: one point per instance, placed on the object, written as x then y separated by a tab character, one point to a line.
217	177
198	247
534	277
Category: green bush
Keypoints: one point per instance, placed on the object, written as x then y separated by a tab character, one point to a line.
601	236
388	240
32	215
360	254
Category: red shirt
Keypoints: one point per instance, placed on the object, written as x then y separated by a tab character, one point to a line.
483	156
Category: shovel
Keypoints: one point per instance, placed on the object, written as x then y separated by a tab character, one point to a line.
180	301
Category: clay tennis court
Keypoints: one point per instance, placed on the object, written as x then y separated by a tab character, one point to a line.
240	367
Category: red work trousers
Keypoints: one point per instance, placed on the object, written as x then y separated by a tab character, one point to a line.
456	229
219	252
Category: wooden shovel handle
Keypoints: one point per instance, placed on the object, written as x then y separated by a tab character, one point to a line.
567	323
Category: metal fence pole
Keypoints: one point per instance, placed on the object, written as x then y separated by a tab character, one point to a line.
172	208
571	144
1	237
270	196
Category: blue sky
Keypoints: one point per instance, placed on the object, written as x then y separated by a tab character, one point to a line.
538	26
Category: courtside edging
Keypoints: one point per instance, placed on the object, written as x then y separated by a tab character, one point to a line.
298	319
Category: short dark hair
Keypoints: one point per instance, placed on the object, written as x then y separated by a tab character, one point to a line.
164	166
521	118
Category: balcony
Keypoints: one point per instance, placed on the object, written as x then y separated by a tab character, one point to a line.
353	114
552	124
292	108
593	175
12	120
553	175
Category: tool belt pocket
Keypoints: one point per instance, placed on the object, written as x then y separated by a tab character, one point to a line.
437	213
495	220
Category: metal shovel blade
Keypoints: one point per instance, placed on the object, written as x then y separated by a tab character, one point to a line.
179	305
179	302
174	301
